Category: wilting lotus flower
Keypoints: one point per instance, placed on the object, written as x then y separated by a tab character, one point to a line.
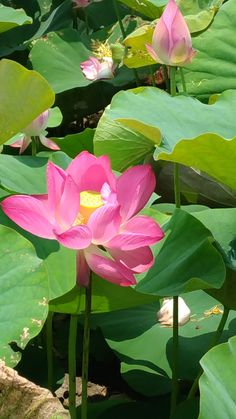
171	42
81	3
94	69
165	314
87	208
35	129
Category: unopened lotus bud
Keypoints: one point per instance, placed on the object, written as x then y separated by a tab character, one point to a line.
171	42
165	314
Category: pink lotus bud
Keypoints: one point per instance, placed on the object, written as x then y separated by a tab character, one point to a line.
165	314
38	125
81	3
171	42
93	69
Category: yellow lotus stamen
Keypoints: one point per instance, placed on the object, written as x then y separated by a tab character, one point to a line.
101	49
89	202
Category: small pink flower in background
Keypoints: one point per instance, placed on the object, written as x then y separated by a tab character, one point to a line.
35	129
87	208
171	42
94	69
81	3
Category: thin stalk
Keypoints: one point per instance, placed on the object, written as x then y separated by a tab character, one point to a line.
117	12
86	339
174	390
175	356
172	71
166	78
177	185
75	19
34	146
183	80
214	341
72	365
152	77
86	20
122	29
49	346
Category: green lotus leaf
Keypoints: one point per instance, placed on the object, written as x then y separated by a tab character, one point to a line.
201	267
149	8
10	18
178	129
217	384
222	224
63	53
23	284
213	70
73	144
144	347
199	14
28	85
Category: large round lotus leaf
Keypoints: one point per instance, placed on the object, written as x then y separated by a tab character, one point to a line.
149	8
222	223
178	129
137	55
27	85
30	172
10	18
47	17
201	267
23	293
145	348
59	262
217	384
73	144
62	54
213	70
198	14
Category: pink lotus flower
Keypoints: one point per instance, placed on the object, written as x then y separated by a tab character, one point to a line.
35	129
81	3
87	208
93	69
171	42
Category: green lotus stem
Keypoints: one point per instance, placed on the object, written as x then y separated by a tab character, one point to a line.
177	185
166	78
152	77
117	12
122	29
72	365
34	146
175	360
176	166
49	346
172	71
214	342
86	339
175	356
183	80
86	20
75	19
